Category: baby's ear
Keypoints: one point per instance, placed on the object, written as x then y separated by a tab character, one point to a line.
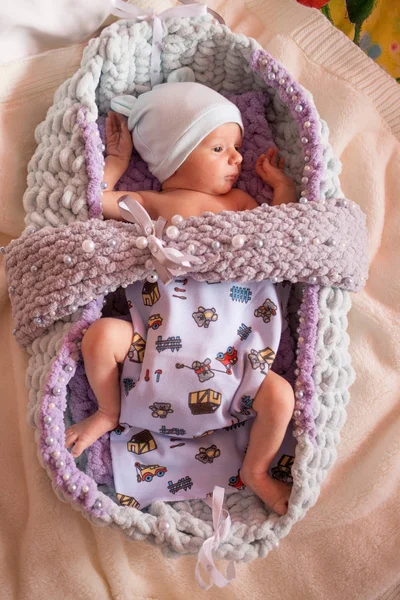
123	104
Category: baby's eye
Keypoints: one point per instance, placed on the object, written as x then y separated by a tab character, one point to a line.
218	149
237	148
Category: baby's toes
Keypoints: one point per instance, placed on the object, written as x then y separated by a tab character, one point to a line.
78	448
70	437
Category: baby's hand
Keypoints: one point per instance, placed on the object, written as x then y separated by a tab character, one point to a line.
118	138
271	170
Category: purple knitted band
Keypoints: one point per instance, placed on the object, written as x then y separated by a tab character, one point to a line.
54	271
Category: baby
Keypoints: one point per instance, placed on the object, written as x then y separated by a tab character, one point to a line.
190	137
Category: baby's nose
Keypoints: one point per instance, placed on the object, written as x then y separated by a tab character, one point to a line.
236	157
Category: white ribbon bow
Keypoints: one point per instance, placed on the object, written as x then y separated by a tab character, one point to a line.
168	262
129	11
205	559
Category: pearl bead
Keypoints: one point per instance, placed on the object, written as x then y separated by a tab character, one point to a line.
297	371
303	200
307	124
56	391
307	168
11	289
88	246
342	202
279	242
316	241
85	489
47	420
331	242
298	239
312	279
34	269
2	250
304	140
290	89
149	230
258	243
68	368
141	242
66	476
149	264
216	245
191	248
73	308
49	441
104	185
13	331
163	525
301	340
68	260
112	243
72	487
271	76
152	278
299	394
55	428
273	279
304	180
38	321
307	159
349	281
52	405
60	464
282	81
172	232
263	60
98	504
56	454
176	219
238	240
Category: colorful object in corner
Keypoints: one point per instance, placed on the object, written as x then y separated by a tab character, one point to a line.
374	25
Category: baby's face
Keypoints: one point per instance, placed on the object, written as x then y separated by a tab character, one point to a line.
214	165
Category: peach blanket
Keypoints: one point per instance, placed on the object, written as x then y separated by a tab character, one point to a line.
347	547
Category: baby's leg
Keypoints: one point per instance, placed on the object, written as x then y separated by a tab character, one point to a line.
274	405
105	344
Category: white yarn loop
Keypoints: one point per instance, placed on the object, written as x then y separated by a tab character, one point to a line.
128	11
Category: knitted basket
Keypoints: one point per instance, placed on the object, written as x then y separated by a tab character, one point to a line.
322	253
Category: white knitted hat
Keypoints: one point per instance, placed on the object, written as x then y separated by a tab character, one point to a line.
169	121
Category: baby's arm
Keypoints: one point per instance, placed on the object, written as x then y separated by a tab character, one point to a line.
119	149
271	171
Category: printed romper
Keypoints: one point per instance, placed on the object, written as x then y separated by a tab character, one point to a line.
198	356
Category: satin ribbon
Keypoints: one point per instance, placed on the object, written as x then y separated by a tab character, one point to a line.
129	11
205	559
168	262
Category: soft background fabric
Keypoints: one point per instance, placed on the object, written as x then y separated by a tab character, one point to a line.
347	547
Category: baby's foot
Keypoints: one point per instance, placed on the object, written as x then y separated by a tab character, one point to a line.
274	493
86	432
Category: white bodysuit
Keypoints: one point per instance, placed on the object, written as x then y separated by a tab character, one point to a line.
199	354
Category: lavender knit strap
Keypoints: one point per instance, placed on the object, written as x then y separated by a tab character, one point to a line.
52	272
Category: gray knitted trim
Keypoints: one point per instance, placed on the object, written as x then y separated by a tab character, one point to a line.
58	183
50	275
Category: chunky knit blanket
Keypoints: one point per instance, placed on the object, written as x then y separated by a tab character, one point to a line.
68	259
